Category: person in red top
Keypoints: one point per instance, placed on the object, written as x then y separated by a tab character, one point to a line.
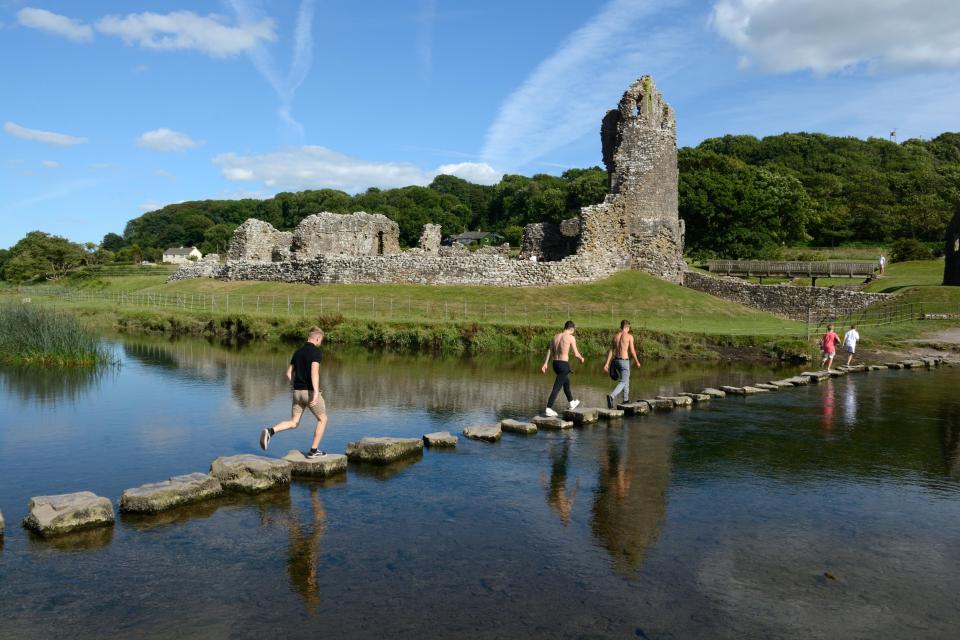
829	344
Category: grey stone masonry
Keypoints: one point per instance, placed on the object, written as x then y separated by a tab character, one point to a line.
258	241
178	490
55	515
384	450
430	239
782	299
250	473
440	440
518	426
485	432
327	465
345	234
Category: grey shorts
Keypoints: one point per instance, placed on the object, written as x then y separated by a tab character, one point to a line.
301	399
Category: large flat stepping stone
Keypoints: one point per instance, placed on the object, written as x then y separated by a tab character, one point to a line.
714	393
894	365
383	450
932	362
55	515
634	408
610	414
440	440
875	367
551	422
815	376
744	391
798	381
767	386
485	432
836	373
327	465
678	401
781	384
698	397
250	473
661	404
516	426
178	490
751	390
912	364
581	415
853	368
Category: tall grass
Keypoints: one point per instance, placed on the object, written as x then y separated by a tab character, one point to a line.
33	334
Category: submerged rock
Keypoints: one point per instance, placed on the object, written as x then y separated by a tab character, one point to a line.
610	414
54	515
250	473
440	440
894	365
326	465
548	422
384	450
178	490
714	393
516	426
634	408
485	432
581	415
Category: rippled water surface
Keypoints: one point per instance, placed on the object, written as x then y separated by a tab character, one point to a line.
823	511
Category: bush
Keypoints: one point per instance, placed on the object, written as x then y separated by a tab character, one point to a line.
31	334
907	249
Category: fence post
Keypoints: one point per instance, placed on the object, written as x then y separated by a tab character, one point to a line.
809	320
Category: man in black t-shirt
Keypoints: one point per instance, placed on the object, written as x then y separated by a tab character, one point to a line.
303	372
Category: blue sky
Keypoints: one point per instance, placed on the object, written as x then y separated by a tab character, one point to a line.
110	109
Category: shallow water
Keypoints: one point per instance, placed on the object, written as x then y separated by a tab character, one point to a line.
828	510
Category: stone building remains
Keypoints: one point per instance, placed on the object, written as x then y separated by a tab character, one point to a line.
951	256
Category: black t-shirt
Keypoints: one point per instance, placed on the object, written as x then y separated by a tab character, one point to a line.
301	361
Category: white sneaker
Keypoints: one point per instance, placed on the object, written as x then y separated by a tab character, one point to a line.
550	413
574	404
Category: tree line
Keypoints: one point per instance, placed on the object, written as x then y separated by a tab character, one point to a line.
741	197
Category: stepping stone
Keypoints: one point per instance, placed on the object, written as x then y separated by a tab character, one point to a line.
798	381
912	364
932	362
250	473
610	414
714	393
766	386
325	466
440	440
55	515
547	422
581	416
749	391
634	408
516	426
661	404
678	401
178	490
815	376
485	432
894	365
875	367
698	397
383	450
853	368
734	391
836	373
780	384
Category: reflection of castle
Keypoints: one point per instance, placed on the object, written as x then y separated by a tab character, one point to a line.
630	500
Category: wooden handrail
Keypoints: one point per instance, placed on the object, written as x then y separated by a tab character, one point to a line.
769	268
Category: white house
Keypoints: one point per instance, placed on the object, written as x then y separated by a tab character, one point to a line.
179	255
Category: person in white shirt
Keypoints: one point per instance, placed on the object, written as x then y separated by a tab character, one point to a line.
850	340
883	263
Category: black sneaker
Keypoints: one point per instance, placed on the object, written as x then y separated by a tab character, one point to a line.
611	402
313	455
265	439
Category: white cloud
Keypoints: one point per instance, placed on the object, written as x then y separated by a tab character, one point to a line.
426	21
55	24
166	140
46	137
315	167
565	97
826	36
181	30
476	172
50	164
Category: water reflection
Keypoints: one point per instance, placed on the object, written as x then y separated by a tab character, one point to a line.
850	403
45	386
630	501
827	402
559	497
949	431
304	558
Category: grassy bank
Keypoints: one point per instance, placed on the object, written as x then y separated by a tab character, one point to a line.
38	335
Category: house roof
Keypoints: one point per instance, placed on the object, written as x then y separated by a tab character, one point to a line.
179	251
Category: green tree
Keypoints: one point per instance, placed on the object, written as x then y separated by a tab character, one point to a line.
41	255
112	242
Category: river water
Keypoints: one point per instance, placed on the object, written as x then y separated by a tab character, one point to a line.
823	511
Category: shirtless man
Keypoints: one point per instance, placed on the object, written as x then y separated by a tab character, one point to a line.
618	355
559	350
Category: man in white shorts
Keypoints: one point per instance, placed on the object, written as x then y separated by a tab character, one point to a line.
850	340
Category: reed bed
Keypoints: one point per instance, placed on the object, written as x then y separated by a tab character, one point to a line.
34	335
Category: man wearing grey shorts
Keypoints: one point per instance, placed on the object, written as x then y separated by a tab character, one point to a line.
303	372
618	355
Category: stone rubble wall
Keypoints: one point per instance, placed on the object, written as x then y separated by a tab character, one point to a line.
550	242
782	299
430	239
349	234
258	241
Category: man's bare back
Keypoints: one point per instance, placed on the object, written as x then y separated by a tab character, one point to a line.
560	347
621	344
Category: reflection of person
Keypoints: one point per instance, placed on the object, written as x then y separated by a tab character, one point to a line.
559	350
305	552
557	496
618	355
827	414
829	343
850	340
303	372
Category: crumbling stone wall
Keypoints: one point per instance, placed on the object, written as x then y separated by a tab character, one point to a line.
550	242
430	239
951	259
259	241
782	299
350	234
